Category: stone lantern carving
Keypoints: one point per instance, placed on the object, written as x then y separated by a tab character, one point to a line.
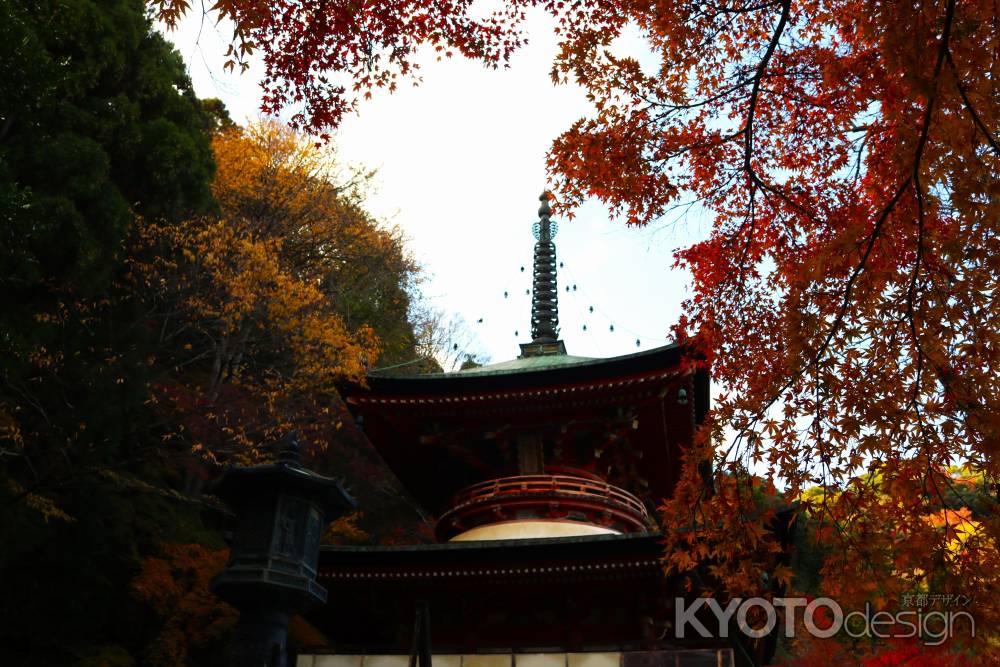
280	511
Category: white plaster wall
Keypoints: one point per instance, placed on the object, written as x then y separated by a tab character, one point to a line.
541	660
329	661
721	658
593	659
486	660
521	530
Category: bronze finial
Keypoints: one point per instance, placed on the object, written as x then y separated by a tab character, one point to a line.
544	295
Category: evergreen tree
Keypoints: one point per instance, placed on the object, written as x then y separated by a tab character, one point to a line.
98	125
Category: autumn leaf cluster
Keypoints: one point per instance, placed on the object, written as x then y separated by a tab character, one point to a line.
175	584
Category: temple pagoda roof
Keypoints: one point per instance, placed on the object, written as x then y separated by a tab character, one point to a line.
522	364
528	371
442	432
625	419
497	593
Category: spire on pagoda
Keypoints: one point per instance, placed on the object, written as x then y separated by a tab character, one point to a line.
544	293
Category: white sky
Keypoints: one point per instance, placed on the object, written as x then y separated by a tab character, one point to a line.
461	162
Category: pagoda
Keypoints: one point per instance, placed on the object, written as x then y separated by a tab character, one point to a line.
544	474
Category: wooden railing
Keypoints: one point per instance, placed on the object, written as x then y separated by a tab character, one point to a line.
560	485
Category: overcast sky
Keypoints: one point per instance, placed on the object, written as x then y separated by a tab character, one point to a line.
461	162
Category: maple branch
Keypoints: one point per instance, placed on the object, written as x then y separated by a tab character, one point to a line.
767	187
873	237
859	155
838	320
747	130
968	105
852	541
751	8
786	8
716	9
802	99
30	398
674	108
918	191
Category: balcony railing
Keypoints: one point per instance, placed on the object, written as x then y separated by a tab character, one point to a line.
554	497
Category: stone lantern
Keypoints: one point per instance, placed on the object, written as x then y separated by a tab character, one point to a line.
280	511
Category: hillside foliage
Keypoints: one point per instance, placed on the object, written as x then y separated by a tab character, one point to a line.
178	292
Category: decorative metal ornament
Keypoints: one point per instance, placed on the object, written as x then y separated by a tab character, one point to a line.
538	230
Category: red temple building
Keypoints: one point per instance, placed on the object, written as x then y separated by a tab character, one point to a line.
544	474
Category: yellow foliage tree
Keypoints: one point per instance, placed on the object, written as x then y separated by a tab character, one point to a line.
265	306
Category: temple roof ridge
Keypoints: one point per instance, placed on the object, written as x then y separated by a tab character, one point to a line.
529	362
